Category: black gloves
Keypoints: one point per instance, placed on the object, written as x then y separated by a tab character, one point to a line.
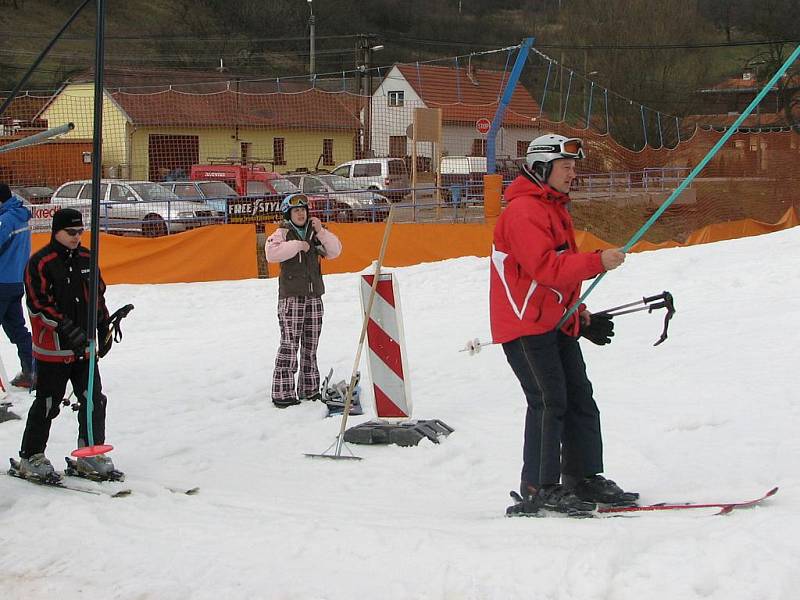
72	336
599	331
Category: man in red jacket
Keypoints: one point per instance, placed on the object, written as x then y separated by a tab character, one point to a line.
536	276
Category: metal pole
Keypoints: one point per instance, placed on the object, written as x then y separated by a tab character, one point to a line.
39	58
97	173
367	314
368	96
497	121
689	178
312	63
39	138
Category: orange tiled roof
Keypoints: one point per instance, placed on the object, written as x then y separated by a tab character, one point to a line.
312	109
737	84
464	98
24	108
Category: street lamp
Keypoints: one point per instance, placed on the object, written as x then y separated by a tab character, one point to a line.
311	65
366	68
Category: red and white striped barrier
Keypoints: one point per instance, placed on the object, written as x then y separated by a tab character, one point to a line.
388	365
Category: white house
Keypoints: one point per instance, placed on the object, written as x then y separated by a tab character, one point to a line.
465	96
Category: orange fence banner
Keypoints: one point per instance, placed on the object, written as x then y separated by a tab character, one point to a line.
213	253
742	228
223	252
409	244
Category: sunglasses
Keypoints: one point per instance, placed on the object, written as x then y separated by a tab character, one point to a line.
297	200
73	232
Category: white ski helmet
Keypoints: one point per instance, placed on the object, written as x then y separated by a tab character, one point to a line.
549	147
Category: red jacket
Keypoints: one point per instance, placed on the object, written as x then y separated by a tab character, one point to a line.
536	269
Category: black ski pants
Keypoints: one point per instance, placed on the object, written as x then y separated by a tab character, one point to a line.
562	423
51	383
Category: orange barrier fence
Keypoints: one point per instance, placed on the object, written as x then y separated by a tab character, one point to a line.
414	243
213	253
224	252
409	244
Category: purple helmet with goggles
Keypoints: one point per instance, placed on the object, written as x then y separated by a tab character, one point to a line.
545	149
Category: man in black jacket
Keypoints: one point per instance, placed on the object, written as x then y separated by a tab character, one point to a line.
57	291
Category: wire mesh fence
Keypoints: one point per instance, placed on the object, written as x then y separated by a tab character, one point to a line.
184	155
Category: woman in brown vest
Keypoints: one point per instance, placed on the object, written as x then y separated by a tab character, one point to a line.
299	245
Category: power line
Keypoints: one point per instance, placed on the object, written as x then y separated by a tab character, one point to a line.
186	38
683	46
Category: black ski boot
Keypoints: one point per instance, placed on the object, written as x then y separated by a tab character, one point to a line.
523	506
285	402
597	488
559	498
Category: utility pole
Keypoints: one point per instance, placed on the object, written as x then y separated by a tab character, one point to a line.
368	96
364	52
360	91
311	64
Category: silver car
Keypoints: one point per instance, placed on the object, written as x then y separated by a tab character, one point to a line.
213	193
387	175
137	207
365	205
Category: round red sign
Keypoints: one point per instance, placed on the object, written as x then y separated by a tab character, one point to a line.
483	126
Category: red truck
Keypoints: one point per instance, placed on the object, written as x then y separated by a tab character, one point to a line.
247	180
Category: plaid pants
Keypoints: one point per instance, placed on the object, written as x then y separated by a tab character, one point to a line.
300	320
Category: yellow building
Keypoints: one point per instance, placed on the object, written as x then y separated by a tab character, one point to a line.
149	135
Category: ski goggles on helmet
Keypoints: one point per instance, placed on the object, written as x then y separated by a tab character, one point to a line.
569	148
294	201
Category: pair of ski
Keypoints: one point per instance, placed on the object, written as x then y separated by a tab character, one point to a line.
75	481
724	508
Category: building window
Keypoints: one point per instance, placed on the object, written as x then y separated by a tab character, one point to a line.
327	152
397	146
171	157
396	98
478	147
522	148
278	151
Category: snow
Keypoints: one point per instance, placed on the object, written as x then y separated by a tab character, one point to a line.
709	415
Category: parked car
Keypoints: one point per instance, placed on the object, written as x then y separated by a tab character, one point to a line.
387	175
364	205
34	194
137	206
461	178
213	193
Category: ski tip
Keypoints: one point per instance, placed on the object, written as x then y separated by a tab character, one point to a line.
772	492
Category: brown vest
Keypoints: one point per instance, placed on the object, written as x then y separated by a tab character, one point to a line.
301	275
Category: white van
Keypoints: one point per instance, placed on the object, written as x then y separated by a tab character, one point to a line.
462	178
388	175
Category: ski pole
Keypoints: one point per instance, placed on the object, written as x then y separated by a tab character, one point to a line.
644	300
367	312
666	301
689	178
474	346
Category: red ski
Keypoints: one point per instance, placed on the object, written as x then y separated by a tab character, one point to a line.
725	507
